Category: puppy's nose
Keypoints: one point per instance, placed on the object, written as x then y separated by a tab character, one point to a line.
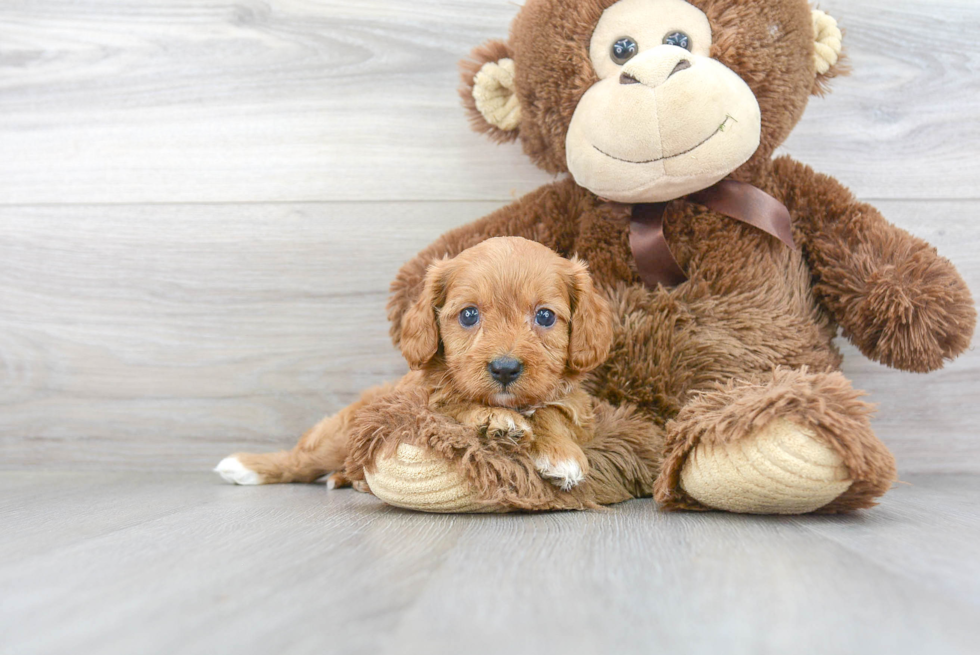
505	369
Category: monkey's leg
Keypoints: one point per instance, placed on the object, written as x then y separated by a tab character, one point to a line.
794	443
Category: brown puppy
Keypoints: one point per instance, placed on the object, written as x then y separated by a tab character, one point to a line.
499	338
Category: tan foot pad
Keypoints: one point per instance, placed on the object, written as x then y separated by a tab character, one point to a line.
781	469
415	478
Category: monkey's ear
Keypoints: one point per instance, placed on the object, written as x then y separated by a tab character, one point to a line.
420	325
828	51
489	92
591	325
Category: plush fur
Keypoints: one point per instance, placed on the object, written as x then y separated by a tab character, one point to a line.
746	341
749	337
824	402
623	454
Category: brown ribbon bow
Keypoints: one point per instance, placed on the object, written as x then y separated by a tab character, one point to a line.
743	202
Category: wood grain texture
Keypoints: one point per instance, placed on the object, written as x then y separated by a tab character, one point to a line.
165	337
138	327
119	101
136	563
202	203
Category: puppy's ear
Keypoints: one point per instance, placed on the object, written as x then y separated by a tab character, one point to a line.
591	328
420	326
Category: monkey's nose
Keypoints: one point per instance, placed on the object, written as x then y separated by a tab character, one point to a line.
682	65
656	66
505	369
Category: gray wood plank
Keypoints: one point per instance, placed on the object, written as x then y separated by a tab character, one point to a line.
903	110
926	530
164	337
34	503
703	584
242	572
122	101
215	568
168	324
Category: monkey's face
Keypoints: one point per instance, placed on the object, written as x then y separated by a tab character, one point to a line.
664	119
650	100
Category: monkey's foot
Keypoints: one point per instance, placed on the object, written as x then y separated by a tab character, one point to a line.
792	443
419	479
782	468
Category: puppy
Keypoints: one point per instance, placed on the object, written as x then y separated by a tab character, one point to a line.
500	339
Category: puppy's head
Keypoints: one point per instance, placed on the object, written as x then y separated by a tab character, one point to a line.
509	322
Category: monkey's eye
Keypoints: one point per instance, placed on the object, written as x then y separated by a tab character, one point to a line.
624	50
678	39
545	318
469	317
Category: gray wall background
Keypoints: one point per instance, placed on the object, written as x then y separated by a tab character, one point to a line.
202	204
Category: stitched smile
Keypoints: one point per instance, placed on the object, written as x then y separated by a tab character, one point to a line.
721	128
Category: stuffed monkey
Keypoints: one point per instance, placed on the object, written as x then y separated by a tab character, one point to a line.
729	272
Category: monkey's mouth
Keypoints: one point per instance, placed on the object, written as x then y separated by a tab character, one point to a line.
721	128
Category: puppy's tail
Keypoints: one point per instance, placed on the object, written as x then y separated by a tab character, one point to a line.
321	450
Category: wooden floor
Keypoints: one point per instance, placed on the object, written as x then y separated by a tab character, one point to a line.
180	563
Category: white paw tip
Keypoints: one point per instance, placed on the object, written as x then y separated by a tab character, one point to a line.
232	470
565	473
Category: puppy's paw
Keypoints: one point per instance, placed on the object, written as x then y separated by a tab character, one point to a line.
232	470
506	424
564	468
338	480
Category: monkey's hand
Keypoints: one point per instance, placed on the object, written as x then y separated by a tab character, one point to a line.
892	294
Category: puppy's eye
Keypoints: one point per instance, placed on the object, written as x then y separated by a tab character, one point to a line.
545	318
678	39
624	50
469	317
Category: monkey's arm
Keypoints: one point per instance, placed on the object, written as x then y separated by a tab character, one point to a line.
894	297
545	215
